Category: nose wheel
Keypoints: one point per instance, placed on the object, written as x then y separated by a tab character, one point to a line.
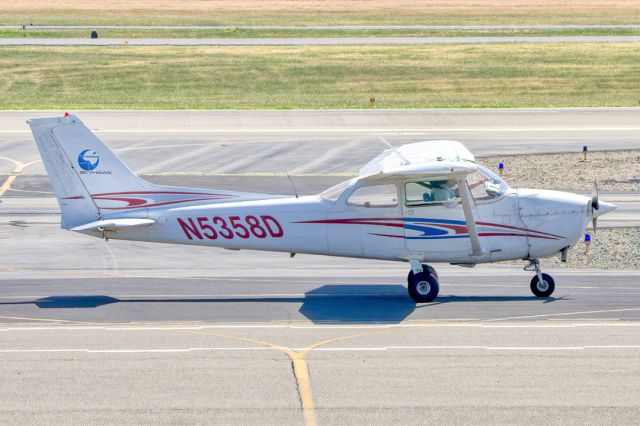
542	285
423	286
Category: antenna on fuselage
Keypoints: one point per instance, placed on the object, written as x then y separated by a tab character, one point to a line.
292	185
395	151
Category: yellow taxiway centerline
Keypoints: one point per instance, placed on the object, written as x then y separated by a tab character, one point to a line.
300	366
19	167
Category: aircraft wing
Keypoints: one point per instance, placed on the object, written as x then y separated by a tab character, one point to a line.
447	169
416	155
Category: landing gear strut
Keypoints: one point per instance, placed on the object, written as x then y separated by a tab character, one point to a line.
542	285
423	286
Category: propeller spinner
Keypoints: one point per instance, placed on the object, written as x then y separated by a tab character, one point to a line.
598	208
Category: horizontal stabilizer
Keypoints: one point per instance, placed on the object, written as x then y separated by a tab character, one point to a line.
113	224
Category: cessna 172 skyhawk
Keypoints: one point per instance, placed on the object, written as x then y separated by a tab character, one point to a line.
421	202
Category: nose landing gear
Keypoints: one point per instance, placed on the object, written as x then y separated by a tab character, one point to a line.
423	286
542	285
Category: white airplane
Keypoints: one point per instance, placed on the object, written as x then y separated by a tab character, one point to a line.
421	202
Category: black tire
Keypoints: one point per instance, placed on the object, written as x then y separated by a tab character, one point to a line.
431	270
546	288
423	287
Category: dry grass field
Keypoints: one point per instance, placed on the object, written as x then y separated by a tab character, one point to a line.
172	32
330	12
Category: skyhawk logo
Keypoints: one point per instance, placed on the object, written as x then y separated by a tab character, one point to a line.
88	160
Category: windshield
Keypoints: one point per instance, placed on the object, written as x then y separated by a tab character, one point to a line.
486	185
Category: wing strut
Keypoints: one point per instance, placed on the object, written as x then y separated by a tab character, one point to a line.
465	195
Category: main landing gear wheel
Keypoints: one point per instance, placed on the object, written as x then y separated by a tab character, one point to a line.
431	269
543	288
423	287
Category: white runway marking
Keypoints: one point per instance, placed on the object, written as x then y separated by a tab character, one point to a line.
305	326
322	349
565	314
185	145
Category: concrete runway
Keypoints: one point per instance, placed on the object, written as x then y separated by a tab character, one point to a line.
484	131
129	332
308	41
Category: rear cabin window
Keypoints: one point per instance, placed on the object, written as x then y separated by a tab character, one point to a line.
431	192
374	196
333	193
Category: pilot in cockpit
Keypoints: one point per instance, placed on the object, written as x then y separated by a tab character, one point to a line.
442	190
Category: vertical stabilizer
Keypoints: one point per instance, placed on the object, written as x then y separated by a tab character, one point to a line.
92	183
75	201
81	168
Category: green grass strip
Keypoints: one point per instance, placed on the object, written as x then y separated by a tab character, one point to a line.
165	77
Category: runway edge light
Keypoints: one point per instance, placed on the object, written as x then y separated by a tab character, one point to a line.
587	242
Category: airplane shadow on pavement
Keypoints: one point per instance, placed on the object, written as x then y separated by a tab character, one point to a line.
332	303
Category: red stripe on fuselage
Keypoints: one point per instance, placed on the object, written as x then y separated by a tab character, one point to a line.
150	205
163	192
516	228
458	229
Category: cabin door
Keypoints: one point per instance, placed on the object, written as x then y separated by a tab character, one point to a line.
434	223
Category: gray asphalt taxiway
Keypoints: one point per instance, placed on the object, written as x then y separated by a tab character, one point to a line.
95	332
115	332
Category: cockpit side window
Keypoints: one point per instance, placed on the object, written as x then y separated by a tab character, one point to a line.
374	196
431	192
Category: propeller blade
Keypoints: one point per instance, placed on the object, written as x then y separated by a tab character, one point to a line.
595	205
